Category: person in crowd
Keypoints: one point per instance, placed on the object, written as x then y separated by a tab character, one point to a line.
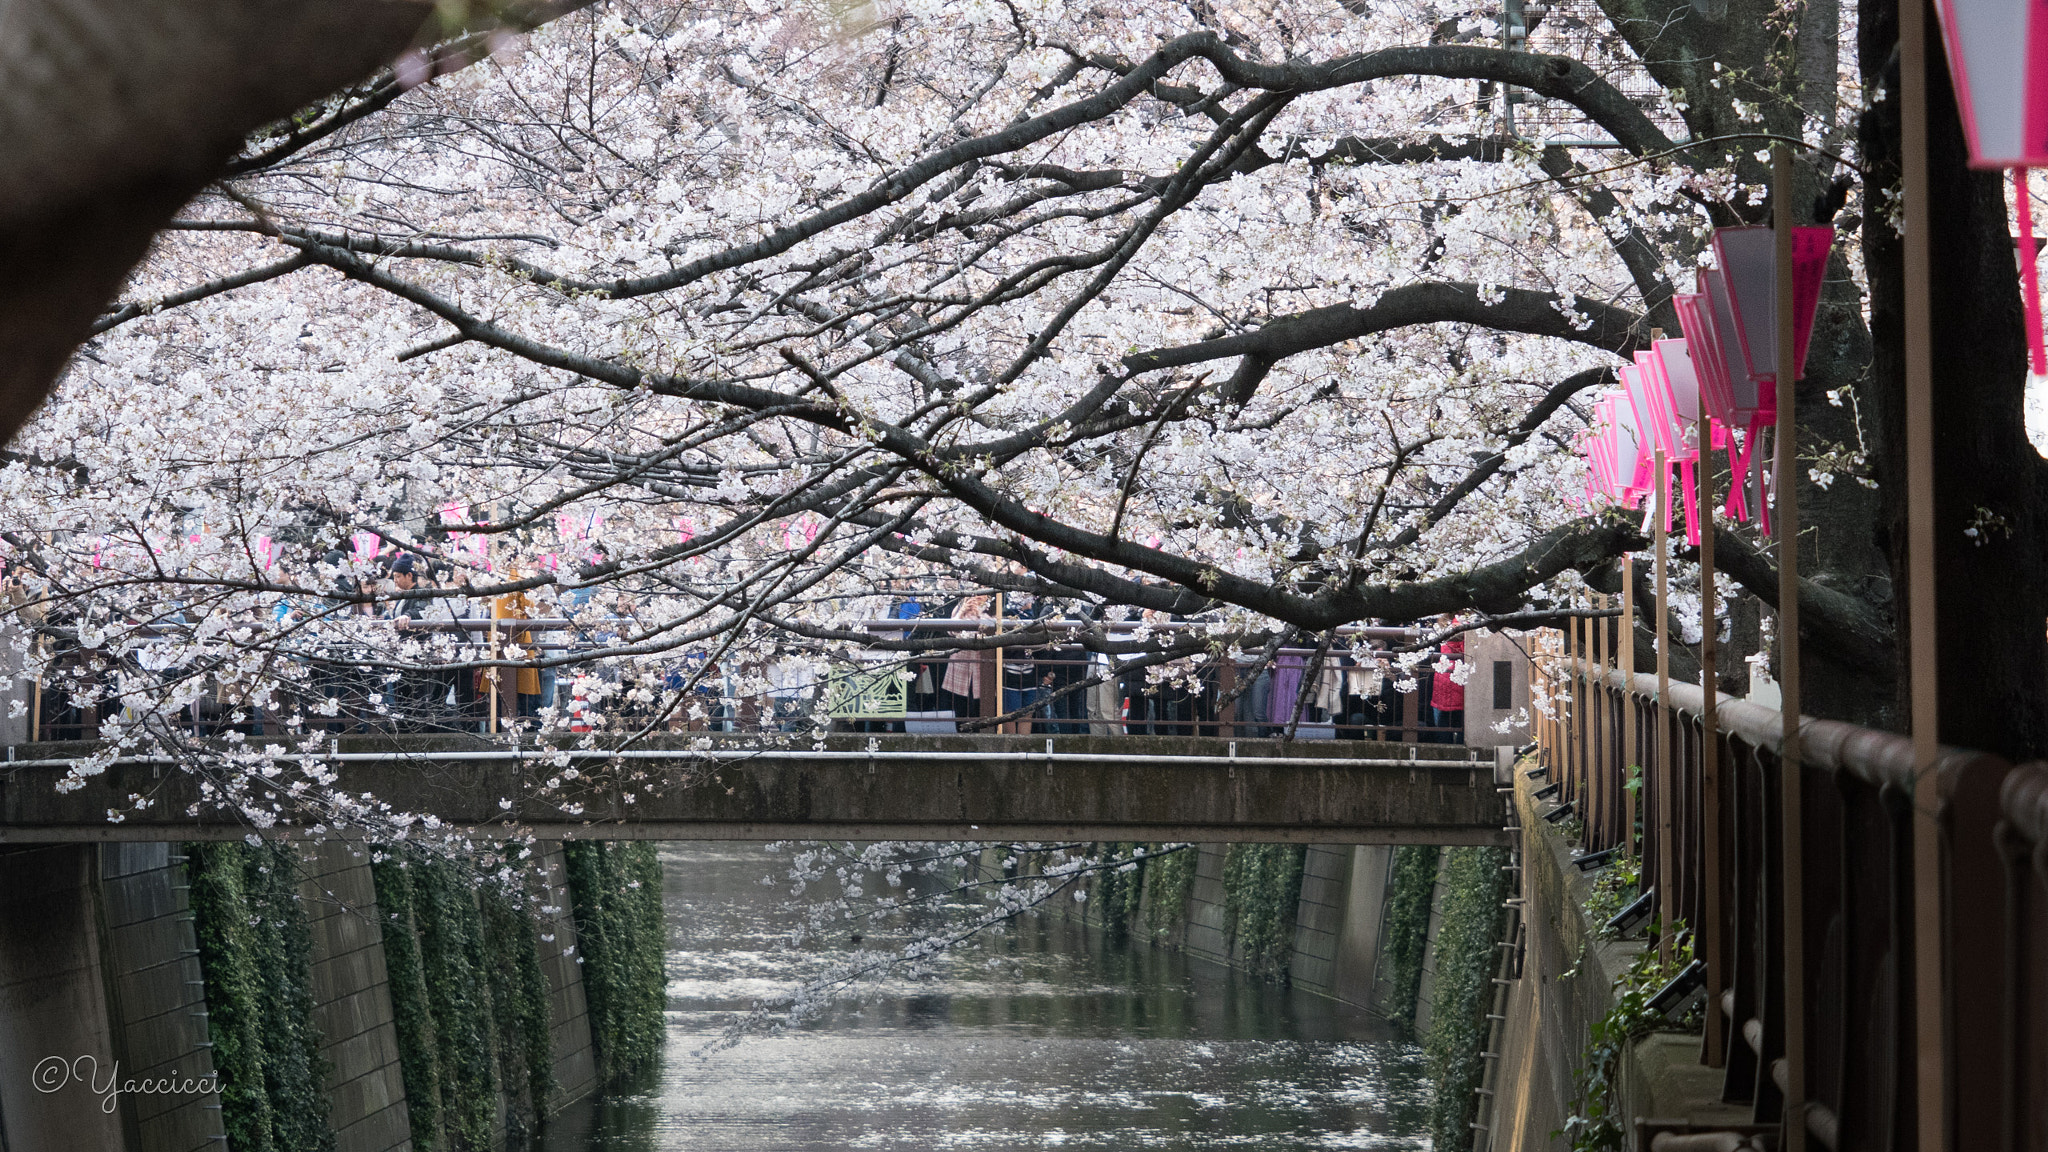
525	682
1447	696
442	693
961	686
413	695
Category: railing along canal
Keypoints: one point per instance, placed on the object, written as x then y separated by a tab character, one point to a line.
1706	826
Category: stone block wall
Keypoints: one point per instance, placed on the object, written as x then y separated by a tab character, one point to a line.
560	959
1208	925
1337	927
157	995
1319	918
352	1001
98	960
1337	922
53	999
1365	917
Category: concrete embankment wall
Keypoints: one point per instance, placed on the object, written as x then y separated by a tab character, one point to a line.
1337	924
99	965
157	1007
568	1007
352	1002
1566	984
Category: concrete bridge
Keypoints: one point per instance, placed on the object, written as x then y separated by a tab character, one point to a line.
854	787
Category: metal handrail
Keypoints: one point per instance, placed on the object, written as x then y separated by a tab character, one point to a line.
1712	842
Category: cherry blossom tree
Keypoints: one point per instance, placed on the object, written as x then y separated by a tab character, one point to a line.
721	327
727	325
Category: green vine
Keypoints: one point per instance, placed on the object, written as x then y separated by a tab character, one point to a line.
469	1000
1461	995
1172	881
615	894
454	965
1118	893
1592	1125
1407	928
255	955
417	1044
519	994
1614	888
1262	895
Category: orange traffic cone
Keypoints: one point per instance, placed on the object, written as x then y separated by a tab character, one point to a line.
579	712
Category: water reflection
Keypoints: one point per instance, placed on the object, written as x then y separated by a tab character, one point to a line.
1049	1038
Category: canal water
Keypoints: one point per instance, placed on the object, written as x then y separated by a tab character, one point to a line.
1065	1041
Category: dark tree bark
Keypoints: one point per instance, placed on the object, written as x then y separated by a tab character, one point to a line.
114	113
1991	590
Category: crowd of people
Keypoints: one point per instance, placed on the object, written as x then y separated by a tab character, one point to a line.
407	646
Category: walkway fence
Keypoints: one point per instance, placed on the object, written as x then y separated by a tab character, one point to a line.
1923	981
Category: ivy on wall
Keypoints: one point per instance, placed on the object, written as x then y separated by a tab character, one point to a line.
255	956
453	963
1406	931
418	1065
615	893
519	993
470	1002
1118	893
1262	896
1171	878
1593	1124
1461	995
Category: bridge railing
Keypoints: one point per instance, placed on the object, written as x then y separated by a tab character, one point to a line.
352	680
1897	980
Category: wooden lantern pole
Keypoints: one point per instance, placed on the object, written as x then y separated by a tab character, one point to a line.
1632	756
1931	1080
1710	756
1666	898
1592	808
1786	506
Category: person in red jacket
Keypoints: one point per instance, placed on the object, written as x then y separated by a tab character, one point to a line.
1447	696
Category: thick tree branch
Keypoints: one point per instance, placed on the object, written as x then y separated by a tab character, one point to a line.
1845	624
1616	330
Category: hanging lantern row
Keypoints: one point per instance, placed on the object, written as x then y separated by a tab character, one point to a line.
1998	60
1726	362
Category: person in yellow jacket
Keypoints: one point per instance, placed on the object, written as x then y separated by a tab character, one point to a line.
525	681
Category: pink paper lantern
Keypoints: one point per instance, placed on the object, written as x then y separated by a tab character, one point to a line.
1749	258
1597	444
1998	57
1696	319
1598	450
1672	416
1746	401
1681	376
1621	453
1680	381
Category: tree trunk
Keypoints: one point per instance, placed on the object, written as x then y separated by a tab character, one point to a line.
114	113
1991	588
